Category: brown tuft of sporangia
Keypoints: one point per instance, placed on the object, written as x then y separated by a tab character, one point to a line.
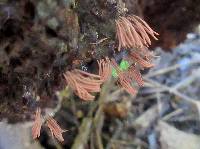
37	124
52	124
133	32
55	129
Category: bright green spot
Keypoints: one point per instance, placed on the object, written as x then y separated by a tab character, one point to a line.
123	66
114	73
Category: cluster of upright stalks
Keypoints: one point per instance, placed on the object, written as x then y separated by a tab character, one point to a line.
84	84
133	34
53	126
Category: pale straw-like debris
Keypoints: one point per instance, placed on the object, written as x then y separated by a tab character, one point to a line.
37	124
83	83
133	32
55	129
104	68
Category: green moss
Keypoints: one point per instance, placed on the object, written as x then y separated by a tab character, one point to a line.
114	73
123	66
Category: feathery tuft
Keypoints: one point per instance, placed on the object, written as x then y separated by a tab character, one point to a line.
143	62
104	69
124	79
37	124
135	74
83	83
55	129
133	32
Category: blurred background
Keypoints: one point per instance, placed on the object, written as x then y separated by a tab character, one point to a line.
41	39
